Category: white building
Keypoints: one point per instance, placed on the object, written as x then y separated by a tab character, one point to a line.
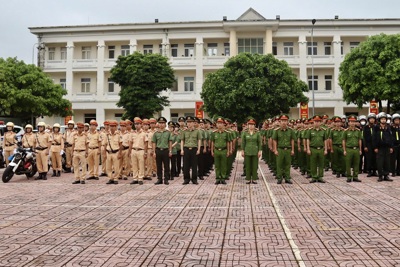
80	57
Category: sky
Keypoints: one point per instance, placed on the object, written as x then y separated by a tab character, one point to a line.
17	15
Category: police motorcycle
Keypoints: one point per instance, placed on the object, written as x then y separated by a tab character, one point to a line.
22	162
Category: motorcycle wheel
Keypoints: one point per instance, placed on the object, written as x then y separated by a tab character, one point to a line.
64	162
7	174
32	173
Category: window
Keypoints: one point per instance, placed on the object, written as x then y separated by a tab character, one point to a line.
118	116
111	51
85	85
174	87
63	53
328	48
89	117
174	50
227	49
212	49
111	85
63	83
161	49
312	48
354	45
125	50
341	49
189	84
288	48
315	82
251	45
86	52
274	48
328	82
52	53
189	50
148	49
174	117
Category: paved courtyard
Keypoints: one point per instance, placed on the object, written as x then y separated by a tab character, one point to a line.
54	223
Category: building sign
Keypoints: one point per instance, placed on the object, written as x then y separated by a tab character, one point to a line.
199	111
373	107
303	110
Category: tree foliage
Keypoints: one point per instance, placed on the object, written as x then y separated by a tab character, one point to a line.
25	90
142	78
259	86
372	71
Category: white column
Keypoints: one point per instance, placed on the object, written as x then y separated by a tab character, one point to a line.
133	46
165	46
268	42
100	69
233	43
100	115
337	57
303	58
199	65
69	75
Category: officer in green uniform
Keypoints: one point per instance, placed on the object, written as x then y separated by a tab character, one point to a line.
251	145
162	150
352	149
283	139
317	149
336	137
191	140
219	150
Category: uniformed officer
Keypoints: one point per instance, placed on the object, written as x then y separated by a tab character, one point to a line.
395	156
175	141
43	143
383	147
80	152
148	173
370	156
138	150
352	149
251	151
162	150
123	171
86	128
336	137
283	138
181	122
317	148
153	129
9	141
191	140
57	145
28	139
103	136
94	149
113	146
68	138
219	150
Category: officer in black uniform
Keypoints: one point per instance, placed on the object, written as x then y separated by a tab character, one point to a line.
383	147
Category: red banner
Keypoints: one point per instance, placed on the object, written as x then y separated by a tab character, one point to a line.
199	111
304	110
67	119
373	107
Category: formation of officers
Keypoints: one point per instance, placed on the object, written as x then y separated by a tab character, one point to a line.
147	148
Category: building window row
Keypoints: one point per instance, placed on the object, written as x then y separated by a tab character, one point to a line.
328	82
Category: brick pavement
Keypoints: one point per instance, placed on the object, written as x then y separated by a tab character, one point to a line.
54	223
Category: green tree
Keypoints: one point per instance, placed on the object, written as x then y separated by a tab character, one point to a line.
372	71
26	91
142	78
259	86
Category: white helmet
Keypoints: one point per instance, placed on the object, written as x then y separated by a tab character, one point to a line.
71	122
381	115
362	117
371	115
28	126
396	116
10	124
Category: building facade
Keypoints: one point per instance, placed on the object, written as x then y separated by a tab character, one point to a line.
80	57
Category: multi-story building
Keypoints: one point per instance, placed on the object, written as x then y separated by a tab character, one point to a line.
80	57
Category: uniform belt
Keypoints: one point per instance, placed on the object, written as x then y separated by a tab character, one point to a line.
352	147
79	150
112	151
125	147
96	147
190	148
220	149
68	145
41	148
137	149
317	147
158	148
10	145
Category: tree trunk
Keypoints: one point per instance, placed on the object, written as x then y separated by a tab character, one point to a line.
388	107
380	105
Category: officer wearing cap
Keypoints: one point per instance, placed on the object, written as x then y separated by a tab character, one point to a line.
395	156
283	138
43	143
336	137
153	129
352	149
317	148
124	170
94	149
383	147
219	150
113	145
86	128
175	142
251	151
68	139
80	149
181	126
162	150
191	140
370	156
149	160
103	153
138	144
10	139
57	145
28	140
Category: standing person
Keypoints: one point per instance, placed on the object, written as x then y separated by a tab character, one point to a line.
103	136
43	143
9	141
113	146
251	151
138	144
219	150
199	125
80	148
149	160
123	171
162	150
317	148
283	138
383	147
68	138
336	137
28	140
191	143
175	140
86	128
153	129
56	147
179	162
94	149
395	156
352	149
370	156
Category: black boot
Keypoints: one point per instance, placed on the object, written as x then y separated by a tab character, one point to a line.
44	176
54	174
58	173
39	177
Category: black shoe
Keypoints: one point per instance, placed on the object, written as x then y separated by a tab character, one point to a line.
243	174
166	182
54	174
115	182
369	174
90	178
103	174
147	178
195	182
171	178
357	180
140	182
344	175
111	182
380	179
158	182
248	182
134	182
253	182
393	175
279	182
349	180
302	173
58	173
288	182
374	174
313	181
201	178
44	176
386	178
96	178
217	182
39	177
322	181
185	183
334	172
326	169
338	175
83	182
125	178
154	175
76	182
